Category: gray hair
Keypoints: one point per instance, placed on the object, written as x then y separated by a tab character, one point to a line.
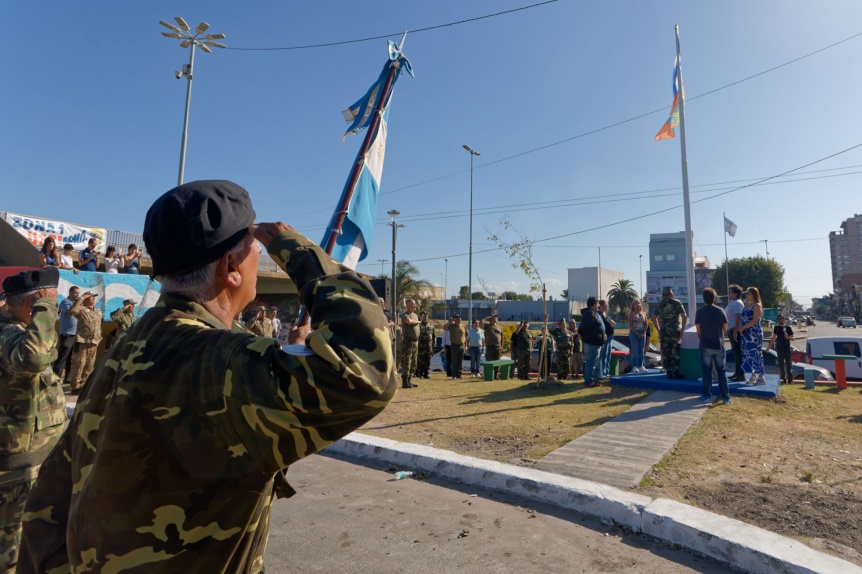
197	285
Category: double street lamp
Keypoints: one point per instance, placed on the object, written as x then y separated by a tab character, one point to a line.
473	153
183	32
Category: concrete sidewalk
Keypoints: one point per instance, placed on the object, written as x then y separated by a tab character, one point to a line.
730	541
621	451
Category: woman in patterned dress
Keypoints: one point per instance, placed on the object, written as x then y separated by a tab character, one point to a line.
752	337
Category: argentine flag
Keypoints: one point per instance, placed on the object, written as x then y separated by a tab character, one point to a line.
357	230
351	246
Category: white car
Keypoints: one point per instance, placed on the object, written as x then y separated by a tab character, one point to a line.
847	322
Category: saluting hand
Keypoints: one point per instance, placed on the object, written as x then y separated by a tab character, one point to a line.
266	232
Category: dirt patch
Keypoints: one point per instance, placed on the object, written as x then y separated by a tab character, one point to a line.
510	448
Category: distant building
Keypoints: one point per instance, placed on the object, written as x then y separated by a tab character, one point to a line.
587	282
667	268
845	249
432	293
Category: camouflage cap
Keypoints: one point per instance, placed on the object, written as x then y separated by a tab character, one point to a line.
129	302
32	280
195	224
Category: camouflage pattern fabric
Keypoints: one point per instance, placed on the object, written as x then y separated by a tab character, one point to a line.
426	349
576	363
262	327
563	340
668	312
194	425
83	360
670	350
89	323
407	356
32	411
124	322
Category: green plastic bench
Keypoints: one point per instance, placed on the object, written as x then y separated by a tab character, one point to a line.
491	367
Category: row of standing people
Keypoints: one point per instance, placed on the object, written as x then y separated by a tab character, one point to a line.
88	258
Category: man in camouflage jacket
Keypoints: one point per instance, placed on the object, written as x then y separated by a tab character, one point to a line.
260	325
87	339
426	346
124	317
180	440
32	407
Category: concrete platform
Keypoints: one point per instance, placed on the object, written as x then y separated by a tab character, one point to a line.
655	379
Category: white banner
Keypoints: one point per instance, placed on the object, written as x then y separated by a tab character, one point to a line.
36	230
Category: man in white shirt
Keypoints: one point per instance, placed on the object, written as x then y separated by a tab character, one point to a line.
733	311
276	322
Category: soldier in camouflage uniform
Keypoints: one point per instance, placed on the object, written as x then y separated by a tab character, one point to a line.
33	412
666	316
124	317
563	340
525	348
87	339
576	358
179	443
260	325
409	343
426	346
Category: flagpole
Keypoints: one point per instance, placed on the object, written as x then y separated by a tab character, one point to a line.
726	261
343	206
689	243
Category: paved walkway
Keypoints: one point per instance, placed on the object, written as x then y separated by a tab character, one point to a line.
621	451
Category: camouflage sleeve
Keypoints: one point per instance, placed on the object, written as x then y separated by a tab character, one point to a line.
33	349
44	536
115	315
292	405
77	308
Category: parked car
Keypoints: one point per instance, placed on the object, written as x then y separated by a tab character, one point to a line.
816	347
797	355
766	323
847	322
652	355
770	365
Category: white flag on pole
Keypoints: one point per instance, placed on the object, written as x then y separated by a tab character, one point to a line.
730	227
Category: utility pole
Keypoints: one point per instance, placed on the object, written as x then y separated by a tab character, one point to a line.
393	214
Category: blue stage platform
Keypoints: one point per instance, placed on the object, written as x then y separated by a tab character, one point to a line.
655	379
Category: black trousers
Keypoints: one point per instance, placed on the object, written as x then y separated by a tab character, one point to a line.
64	355
736	346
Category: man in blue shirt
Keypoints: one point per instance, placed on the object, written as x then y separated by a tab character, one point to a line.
88	259
68	330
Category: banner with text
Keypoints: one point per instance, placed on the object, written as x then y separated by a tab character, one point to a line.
658	280
37	229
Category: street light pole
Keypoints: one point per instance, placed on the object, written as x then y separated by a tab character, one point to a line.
382	261
473	153
393	214
641	276
189	40
446	290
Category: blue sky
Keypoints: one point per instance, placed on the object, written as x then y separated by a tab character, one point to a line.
92	118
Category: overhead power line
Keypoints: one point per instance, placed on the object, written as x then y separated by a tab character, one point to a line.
398	33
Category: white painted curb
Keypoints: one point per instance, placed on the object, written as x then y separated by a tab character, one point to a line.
727	540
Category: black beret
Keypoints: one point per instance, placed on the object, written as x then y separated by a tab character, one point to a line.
195	224
27	281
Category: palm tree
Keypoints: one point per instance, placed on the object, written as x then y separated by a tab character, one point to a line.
408	287
621	295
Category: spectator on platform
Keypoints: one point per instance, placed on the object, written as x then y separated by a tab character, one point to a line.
66	259
132	260
88	259
49	254
113	260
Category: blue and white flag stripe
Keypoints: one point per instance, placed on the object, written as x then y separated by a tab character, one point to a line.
351	246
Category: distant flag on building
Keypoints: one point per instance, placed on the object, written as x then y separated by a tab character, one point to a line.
666	131
730	227
355	228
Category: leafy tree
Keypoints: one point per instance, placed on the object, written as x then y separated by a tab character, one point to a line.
767	276
621	296
565	294
464	292
479	296
512	296
407	285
